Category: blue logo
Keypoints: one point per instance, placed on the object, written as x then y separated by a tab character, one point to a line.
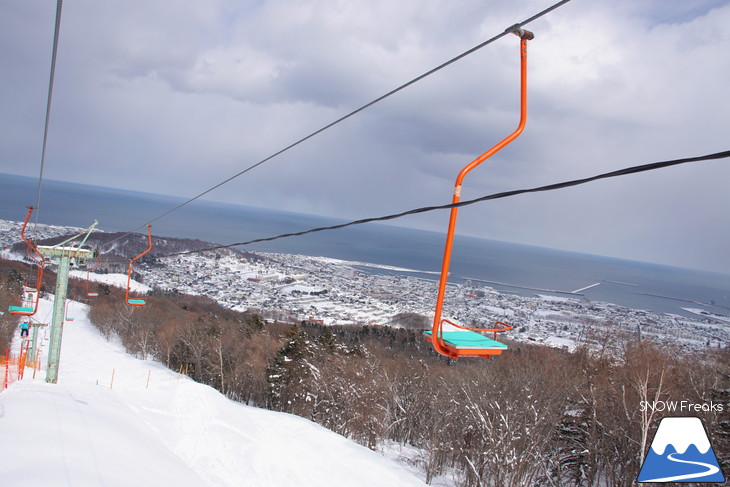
681	452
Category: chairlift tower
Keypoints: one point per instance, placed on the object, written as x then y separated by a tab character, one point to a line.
63	252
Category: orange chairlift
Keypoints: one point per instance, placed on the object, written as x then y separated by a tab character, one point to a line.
90	294
458	340
137	301
30	304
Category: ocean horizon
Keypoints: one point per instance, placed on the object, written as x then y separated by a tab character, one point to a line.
508	267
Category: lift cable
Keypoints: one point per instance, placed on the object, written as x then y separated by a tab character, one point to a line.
362	108
56	31
550	187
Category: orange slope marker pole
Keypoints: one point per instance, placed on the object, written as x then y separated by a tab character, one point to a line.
7	368
436	338
21	360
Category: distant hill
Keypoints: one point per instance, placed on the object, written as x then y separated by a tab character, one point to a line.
122	246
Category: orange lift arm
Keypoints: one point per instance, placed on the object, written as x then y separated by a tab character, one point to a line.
137	301
42	262
436	337
30	310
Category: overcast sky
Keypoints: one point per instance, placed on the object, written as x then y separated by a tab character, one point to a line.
173	97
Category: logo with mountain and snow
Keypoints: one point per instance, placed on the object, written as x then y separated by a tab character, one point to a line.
681	452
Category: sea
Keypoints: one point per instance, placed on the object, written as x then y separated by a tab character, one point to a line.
507	267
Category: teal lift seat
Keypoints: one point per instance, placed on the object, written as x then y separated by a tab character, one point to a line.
136	301
20	310
469	340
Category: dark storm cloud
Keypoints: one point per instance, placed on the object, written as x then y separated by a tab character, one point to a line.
193	93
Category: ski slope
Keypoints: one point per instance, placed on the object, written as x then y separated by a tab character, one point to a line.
113	420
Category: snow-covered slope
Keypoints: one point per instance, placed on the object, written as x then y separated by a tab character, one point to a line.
113	420
118	280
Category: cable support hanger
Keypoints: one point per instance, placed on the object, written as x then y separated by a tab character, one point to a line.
86	232
516	28
550	187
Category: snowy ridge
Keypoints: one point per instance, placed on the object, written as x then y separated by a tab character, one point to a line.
102	424
680	433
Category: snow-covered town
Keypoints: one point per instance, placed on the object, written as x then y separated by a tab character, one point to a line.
293	288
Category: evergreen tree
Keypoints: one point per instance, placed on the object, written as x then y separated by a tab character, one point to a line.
288	374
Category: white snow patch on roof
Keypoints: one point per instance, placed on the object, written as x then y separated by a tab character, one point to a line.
560	342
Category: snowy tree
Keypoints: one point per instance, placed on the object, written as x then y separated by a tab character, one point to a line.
290	369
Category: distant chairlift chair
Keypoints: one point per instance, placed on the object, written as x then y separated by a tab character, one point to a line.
94	294
68	301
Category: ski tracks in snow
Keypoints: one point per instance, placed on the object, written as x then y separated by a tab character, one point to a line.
711	469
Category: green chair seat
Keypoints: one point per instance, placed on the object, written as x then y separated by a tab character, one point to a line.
20	310
469	339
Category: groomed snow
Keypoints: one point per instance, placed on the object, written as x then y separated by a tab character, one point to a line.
118	280
88	430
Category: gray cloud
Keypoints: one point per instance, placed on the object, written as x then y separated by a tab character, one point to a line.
193	93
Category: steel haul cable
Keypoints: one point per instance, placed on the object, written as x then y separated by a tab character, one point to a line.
56	32
550	187
441	66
